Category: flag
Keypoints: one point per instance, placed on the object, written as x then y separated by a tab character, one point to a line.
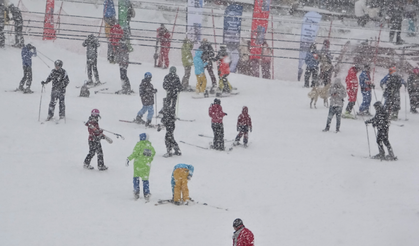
259	26
49	31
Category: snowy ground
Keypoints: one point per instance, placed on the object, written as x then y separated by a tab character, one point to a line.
294	185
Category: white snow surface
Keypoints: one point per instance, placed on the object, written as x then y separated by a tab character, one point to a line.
294	185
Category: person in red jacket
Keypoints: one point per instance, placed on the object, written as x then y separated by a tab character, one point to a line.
163	36
216	113
115	36
352	90
244	125
223	72
242	236
95	135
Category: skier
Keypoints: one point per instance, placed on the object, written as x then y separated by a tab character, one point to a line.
242	236
216	113
27	52
207	57
95	135
381	121
337	94
168	120
244	125
352	90
395	13
92	44
312	69
366	86
163	36
180	176
266	61
4	18
413	90
391	84
187	61
143	154
60	81
116	33
147	92
122	57
223	71
17	19
172	86
201	79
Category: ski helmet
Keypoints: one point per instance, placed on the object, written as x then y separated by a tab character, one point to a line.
143	136
378	104
58	63
147	75
95	112
237	222
416	70
172	69
217	101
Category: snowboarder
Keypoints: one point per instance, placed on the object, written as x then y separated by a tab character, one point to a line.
172	86
266	61
4	18
180	176
208	57
216	113
312	69
352	90
337	94
413	90
187	62
223	71
168	120
163	36
147	92
27	52
95	147
391	84
201	79
142	155
60	81
122	57
381	121
366	86
116	34
242	236
244	125
17	19
92	44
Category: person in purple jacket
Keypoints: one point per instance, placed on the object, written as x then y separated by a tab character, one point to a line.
27	52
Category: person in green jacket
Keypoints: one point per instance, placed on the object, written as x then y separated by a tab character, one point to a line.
187	61
143	154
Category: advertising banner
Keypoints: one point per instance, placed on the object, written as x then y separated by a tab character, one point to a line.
49	31
194	21
232	24
259	26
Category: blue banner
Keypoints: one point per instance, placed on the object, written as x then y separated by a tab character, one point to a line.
232	24
309	30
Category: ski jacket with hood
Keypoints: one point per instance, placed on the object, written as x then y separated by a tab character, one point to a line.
143	154
95	133
147	92
198	63
352	84
216	113
244	119
243	237
337	94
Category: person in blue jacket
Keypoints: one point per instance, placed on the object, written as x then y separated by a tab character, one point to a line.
312	69
366	85
391	85
27	52
201	83
180	176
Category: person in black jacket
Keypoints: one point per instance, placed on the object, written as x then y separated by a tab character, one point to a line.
17	19
168	121
208	57
60	81
395	13
147	92
413	90
92	44
122	57
4	17
382	122
173	86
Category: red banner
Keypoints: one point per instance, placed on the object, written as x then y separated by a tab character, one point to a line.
49	31
259	26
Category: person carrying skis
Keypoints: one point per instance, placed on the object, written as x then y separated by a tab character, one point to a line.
381	121
187	62
4	18
337	94
143	154
244	125
27	52
242	236
92	44
312	69
201	79
366	86
163	36
413	90
168	120
116	34
207	57
352	90
180	176
391	84
122	57
95	147
172	86
60	82
17	19
147	92
216	113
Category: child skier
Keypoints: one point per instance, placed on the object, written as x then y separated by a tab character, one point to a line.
180	176
95	135
143	154
244	124
147	92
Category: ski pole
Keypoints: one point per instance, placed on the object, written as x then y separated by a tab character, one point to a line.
43	61
40	103
116	134
44	55
368	139
405	104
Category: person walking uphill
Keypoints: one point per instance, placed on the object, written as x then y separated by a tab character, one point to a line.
201	84
180	176
244	125
216	113
143	154
147	92
60	82
17	19
95	135
187	62
242	236
91	43
366	86
27	52
337	94
352	90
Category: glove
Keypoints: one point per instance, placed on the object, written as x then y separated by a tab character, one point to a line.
225	113
43	83
155	91
127	164
189	177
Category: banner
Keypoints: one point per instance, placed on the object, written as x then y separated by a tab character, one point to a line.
232	24
259	26
309	30
49	31
194	21
122	14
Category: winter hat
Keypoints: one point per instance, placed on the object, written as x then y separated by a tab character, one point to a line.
217	101
237	222
378	104
392	70
143	136
172	69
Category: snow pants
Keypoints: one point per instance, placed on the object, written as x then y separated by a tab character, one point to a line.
181	190
392	104
366	101
382	137
209	68
19	41
185	79
2	37
126	85
218	130
164	57
27	77
169	138
243	131
414	100
266	70
350	106
224	85
60	96
136	184
149	109
334	110
92	65
111	52
310	72
201	84
95	147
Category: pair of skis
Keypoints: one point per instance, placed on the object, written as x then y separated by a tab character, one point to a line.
161	202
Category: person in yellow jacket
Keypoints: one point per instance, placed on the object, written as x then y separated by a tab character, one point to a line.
143	154
180	176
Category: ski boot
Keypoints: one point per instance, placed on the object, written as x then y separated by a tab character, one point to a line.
89	82
147	197
168	154
206	93
88	166
413	111
136	195
148	124
27	90
177	152
102	168
49	118
177	203
379	156
212	90
235	143
138	120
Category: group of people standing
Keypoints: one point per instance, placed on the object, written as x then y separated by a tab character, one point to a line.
313	59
